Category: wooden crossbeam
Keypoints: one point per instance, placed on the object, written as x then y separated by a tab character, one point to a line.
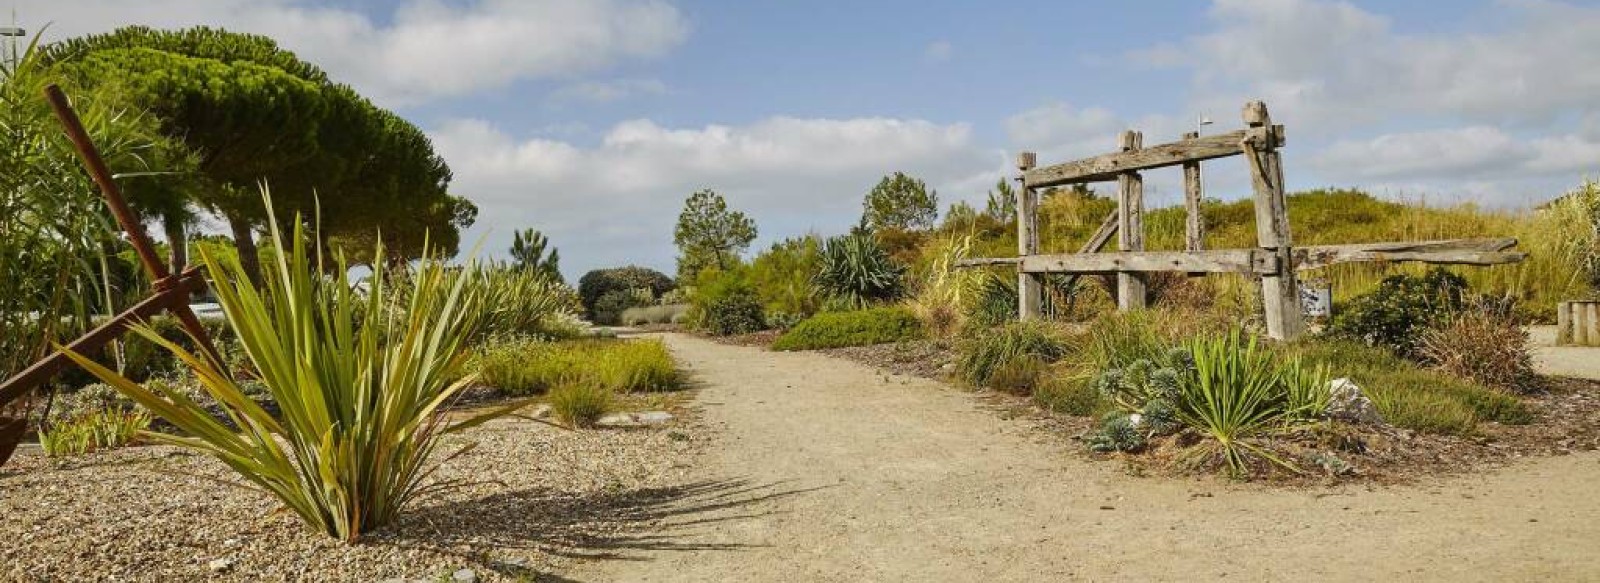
1224	261
1108	167
1447	252
1494	251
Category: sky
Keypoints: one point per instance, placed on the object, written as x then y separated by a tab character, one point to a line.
592	120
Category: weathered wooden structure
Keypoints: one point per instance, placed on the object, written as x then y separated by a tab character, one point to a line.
1274	261
172	290
1578	323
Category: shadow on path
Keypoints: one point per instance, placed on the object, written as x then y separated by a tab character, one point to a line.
606	525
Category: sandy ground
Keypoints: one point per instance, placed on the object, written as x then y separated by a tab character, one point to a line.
848	475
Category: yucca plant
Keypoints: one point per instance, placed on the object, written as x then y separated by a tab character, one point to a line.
857	270
359	377
1233	395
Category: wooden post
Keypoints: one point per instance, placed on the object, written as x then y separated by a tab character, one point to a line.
1563	323
1030	286
1194	227
1280	295
1130	227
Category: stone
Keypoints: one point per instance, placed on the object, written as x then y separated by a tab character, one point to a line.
540	412
634	419
465	576
1347	402
220	565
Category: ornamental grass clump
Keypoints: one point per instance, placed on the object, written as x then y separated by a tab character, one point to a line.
360	378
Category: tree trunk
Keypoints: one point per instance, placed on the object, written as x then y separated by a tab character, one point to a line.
177	244
244	241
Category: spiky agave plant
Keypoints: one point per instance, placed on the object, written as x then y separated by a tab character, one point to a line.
856	269
1233	394
360	377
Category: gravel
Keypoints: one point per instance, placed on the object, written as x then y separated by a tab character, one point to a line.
539	498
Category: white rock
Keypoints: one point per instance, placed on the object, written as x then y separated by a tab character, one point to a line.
1348	402
220	565
634	419
465	576
653	417
540	412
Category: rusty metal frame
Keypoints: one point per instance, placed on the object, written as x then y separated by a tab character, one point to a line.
172	291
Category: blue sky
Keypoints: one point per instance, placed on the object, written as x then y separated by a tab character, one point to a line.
592	119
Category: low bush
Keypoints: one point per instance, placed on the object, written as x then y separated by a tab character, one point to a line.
597	283
1021	375
93	431
781	276
523	366
644	315
994	302
858	328
724	303
610	308
1410	396
1483	347
1395	314
580	404
1064	396
987	351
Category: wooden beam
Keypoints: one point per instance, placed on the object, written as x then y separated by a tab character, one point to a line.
1450	251
987	261
1030	287
1194	226
1108	167
1280	293
1249	261
1131	289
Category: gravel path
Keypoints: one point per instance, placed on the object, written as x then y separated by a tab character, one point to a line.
1565	361
849	475
540	498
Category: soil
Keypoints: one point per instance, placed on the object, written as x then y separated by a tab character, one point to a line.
851	473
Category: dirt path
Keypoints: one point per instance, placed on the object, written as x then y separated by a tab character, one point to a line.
1567	361
848	475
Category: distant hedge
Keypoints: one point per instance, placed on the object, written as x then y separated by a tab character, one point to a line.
855	328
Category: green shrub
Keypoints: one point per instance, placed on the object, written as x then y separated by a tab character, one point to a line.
858	328
93	431
662	314
724	303
599	282
781	276
1396	313
994	302
986	351
1065	396
580	404
1234	394
519	302
1411	397
608	310
856	269
524	366
1020	375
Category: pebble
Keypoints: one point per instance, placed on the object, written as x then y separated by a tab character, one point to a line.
465	576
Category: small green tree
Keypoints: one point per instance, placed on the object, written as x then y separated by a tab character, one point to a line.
1002	205
900	202
710	235
528	251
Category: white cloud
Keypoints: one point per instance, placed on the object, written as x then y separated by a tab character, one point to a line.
428	49
616	201
607	91
1330	64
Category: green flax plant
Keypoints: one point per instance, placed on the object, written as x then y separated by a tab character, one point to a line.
361	377
1234	394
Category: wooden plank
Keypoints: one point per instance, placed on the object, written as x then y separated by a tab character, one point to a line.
1591	322
1280	294
40	372
1131	289
1224	261
1193	226
1030	287
1563	323
1108	167
1492	251
987	261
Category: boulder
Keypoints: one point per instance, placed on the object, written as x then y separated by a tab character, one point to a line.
1347	402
